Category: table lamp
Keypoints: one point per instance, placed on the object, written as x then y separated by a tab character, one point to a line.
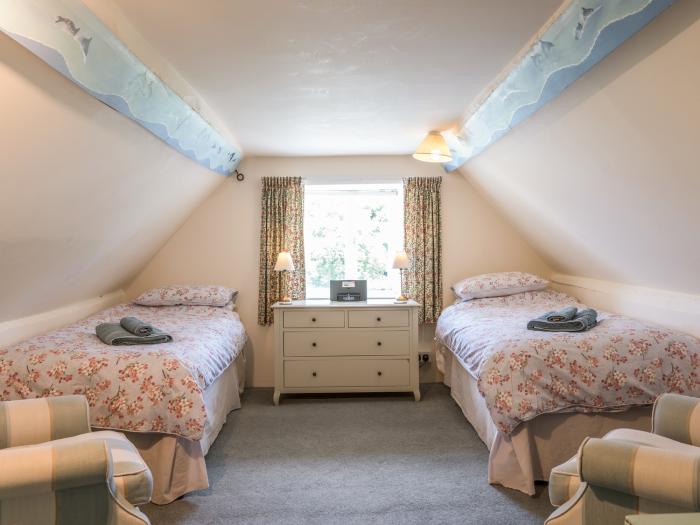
284	264
401	263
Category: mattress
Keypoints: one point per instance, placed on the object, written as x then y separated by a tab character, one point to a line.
145	388
529	453
521	374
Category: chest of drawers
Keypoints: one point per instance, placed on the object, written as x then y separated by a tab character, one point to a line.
323	346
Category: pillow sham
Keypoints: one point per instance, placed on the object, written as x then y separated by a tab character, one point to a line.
183	294
498	285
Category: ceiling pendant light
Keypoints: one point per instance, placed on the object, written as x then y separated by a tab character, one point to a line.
433	149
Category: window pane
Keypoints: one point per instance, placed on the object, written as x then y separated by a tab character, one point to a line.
352	232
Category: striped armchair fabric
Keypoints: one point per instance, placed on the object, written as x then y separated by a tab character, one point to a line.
677	417
51	474
632	472
33	421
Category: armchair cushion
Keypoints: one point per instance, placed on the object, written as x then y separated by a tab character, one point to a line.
33	421
132	478
633	469
42	469
564	479
677	417
563	482
65	481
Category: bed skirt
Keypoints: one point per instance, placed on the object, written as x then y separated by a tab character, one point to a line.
516	461
177	464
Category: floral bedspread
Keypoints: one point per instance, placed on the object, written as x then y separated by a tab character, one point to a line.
618	364
144	388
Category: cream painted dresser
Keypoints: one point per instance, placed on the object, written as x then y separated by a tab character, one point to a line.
324	346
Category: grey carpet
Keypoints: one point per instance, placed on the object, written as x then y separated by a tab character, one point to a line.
350	460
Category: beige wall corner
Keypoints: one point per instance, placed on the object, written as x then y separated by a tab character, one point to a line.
603	181
219	243
672	309
20	329
87	196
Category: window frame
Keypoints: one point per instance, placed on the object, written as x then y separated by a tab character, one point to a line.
373	187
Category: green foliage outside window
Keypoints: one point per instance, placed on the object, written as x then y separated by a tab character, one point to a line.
352	235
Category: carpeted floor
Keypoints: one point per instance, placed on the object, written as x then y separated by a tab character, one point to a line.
350	460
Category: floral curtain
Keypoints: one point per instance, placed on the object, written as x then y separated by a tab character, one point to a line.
281	229
422	241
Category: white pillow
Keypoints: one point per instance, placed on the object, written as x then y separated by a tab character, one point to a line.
178	294
498	285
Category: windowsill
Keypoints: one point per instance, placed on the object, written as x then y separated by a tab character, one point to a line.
325	298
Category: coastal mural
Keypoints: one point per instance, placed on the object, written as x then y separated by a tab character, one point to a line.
71	39
582	35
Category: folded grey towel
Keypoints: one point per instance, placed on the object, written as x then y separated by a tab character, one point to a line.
584	320
565	314
136	326
114	334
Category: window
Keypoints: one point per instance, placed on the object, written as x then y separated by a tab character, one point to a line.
352	231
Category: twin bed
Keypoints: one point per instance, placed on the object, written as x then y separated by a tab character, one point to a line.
171	400
533	396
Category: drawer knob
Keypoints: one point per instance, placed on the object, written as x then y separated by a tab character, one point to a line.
313	344
313	374
379	319
379	373
313	319
379	343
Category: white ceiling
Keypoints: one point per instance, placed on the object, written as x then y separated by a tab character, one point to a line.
337	77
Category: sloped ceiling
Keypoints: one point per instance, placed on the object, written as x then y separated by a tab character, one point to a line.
605	180
72	39
337	77
86	195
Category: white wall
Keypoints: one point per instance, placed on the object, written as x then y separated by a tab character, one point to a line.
86	195
672	309
26	327
219	243
604	180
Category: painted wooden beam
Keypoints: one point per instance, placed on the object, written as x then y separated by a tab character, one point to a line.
577	38
71	39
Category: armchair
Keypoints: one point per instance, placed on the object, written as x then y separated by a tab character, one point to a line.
54	470
633	472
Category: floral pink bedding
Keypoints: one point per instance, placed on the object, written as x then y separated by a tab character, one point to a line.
618	364
145	388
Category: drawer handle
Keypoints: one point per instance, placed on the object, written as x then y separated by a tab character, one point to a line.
379	319
379	343
313	319
313	374
379	373
313	344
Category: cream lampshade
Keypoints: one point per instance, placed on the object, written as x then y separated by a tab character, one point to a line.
401	262
284	264
433	149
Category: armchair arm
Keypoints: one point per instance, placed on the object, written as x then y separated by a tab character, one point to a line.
34	421
46	468
667	476
677	417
